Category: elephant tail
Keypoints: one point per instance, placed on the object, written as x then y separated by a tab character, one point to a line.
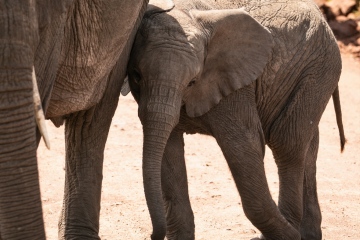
337	106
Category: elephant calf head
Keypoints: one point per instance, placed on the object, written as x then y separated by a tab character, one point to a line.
203	54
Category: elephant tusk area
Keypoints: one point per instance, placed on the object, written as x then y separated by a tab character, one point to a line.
39	113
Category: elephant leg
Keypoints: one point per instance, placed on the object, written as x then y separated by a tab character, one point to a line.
293	141
291	174
241	140
310	227
297	194
179	215
289	153
85	137
86	133
84	140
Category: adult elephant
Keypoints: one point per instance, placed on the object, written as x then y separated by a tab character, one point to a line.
75	47
248	73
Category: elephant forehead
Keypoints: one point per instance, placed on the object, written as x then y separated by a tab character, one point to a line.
169	63
173	24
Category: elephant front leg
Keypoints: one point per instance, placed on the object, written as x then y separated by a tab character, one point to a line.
85	141
179	215
85	137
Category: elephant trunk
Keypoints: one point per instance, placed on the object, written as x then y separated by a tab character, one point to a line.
159	114
20	202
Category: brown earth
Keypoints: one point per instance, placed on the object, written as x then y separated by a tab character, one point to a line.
215	201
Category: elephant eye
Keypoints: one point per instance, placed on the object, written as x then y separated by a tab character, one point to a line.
192	82
136	76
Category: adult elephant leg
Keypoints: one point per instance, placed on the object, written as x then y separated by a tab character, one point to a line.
241	140
85	137
86	134
179	215
310	227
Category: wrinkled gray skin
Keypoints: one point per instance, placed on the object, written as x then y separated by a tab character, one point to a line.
262	75
76	48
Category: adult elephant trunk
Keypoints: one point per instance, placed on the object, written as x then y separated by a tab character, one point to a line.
159	111
20	202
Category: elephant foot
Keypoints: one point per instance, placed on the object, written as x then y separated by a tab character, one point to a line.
75	234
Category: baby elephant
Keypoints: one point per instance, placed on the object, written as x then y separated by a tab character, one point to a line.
248	73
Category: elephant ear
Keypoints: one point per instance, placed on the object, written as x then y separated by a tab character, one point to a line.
125	88
159	6
237	51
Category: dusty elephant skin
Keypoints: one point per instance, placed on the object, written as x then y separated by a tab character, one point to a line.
75	47
248	73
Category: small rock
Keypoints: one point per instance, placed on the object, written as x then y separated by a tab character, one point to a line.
341	7
343	27
347	6
320	3
327	12
358	26
352	16
334	7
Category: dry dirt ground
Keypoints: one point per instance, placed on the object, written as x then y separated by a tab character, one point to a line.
214	198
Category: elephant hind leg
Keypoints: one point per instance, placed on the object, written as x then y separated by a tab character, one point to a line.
290	163
298	202
291	136
293	140
311	221
241	139
179	215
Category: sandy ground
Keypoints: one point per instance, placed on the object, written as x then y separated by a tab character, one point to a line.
214	198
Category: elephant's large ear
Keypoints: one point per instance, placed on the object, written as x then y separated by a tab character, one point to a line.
159	6
237	52
125	88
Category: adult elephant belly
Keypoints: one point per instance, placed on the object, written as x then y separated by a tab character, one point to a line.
89	51
76	92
